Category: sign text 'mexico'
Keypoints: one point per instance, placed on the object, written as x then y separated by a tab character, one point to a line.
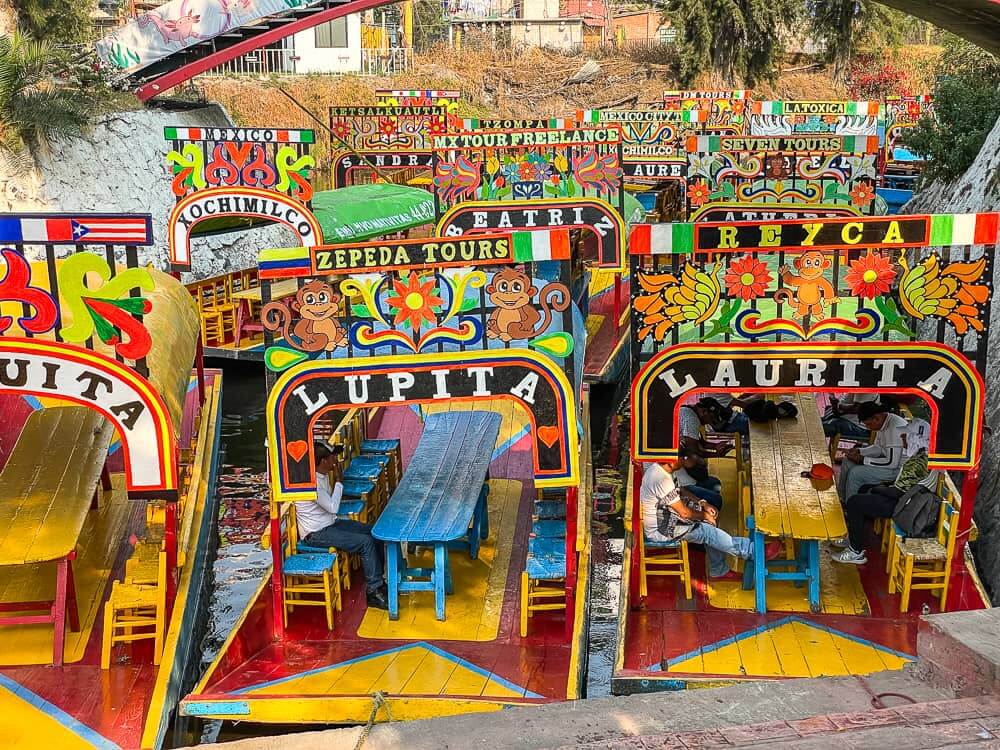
402	254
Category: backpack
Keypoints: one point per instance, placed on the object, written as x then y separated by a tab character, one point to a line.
916	513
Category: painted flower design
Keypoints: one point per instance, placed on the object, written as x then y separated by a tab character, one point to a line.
862	194
747	278
414	301
698	193
387	127
871	275
437	127
341	130
913	109
526	170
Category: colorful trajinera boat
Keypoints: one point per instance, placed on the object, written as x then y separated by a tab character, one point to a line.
108	453
454	386
901	307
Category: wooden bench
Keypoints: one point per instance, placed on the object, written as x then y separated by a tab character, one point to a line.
787	505
46	489
439	500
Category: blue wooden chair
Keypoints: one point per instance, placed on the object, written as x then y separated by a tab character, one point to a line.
309	578
549	510
543	577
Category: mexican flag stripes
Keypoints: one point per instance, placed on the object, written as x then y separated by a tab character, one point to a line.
661	239
868	109
260	135
964	229
548	244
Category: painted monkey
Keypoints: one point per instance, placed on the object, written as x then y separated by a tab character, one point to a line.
811	293
514	316
317	327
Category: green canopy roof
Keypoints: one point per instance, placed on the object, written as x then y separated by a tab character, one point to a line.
350	214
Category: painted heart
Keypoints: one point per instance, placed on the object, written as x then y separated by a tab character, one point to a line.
548	435
297	449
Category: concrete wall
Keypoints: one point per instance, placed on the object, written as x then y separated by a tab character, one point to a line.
532	9
978	190
313	59
639	27
562	34
120	167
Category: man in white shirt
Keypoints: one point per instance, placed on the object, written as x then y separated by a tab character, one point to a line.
878	462
320	526
694	521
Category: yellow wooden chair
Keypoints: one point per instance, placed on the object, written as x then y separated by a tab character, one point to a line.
671	560
310	579
136	609
924	563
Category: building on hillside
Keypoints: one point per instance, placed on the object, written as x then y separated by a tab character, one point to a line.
642	26
565	25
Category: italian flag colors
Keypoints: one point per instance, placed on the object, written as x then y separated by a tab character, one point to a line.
661	239
546	244
593	116
964	229
816	108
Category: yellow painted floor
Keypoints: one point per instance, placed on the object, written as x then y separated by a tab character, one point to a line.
841	591
593	325
43	729
473	611
414	669
99	545
790	648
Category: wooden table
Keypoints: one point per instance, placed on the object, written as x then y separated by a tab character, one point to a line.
440	499
245	298
786	504
46	489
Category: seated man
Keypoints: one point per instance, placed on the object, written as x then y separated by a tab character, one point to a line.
320	526
690	466
879	501
671	513
841	417
878	462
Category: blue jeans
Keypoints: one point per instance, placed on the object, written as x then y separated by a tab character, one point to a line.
712	498
354	537
717	543
845	428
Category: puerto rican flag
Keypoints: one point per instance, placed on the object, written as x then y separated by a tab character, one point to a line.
62	229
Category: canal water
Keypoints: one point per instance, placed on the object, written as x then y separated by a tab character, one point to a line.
241	562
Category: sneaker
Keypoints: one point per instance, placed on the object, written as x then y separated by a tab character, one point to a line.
849	556
377	600
841	543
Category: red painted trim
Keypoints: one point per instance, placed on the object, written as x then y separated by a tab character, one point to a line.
199	363
277	585
186	72
571	513
970	487
170	543
636	530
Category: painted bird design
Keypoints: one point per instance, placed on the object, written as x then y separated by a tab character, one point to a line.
457	179
668	300
927	290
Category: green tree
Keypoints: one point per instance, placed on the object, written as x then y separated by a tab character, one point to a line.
739	40
966	108
429	24
55	21
846	26
40	97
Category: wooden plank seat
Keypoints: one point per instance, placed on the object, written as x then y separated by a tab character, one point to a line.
552	528
387	445
549	509
295	546
438	501
311	579
542	578
47	487
671	560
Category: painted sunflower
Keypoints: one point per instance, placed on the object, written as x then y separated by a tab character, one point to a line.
870	276
747	278
414	301
862	194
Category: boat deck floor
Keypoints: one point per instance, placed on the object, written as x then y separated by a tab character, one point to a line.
717	637
474	660
606	348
